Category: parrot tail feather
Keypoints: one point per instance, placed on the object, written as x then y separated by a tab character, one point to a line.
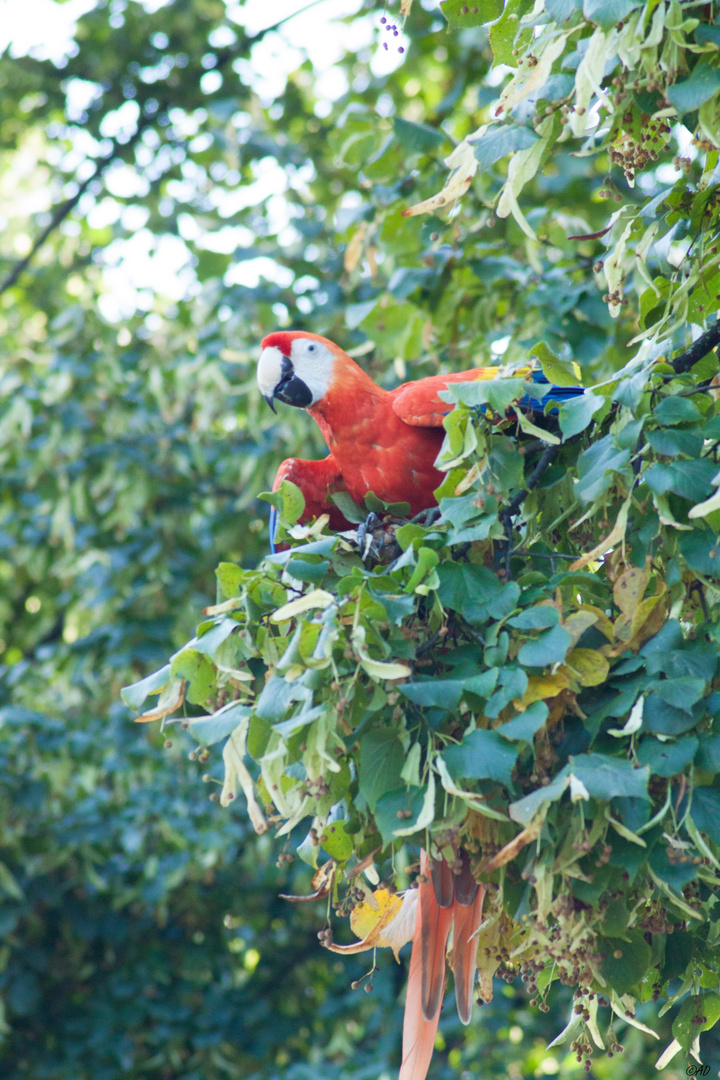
465	947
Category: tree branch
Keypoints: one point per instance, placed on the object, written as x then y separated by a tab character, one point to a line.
700	348
508	512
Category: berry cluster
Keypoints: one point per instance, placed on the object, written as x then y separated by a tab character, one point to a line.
391	29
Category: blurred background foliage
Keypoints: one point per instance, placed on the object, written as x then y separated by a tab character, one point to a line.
177	180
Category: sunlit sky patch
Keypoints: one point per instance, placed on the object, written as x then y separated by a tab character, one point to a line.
135	266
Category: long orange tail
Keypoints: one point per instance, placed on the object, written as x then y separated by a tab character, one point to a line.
443	898
435	914
418	1033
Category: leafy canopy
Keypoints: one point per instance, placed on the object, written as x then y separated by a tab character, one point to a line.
534	670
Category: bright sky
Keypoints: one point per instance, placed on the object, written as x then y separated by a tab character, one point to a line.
134	267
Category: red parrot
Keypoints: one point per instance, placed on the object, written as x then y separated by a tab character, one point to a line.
379	440
384	441
446	899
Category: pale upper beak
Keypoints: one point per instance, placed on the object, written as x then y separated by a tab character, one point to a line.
270	373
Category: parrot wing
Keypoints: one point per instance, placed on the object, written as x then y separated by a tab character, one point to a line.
419	404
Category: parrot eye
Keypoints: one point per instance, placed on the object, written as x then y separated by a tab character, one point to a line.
311	348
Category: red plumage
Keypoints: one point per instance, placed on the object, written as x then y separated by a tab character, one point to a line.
379	440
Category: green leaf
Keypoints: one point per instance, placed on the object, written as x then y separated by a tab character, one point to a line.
708	755
506	34
705	811
135	694
548	648
418	138
625	961
348	508
616	918
609	777
674	873
667	759
499	394
230	577
288	500
682	692
558	372
336	843
666	719
214	637
577	413
596	466
407	801
698	1013
501	140
213	728
427	560
199	672
676	410
446	693
525	809
526	724
482	755
688	479
672	443
704	83
513	684
561	10
608	13
381	760
701	551
277	696
460	15
539	617
475	592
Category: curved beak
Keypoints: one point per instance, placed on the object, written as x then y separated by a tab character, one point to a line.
270	373
277	379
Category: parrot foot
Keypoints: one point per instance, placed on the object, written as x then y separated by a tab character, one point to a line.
365	538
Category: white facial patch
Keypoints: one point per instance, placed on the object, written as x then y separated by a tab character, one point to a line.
312	363
269	370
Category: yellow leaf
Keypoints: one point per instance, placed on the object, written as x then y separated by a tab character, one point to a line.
589	667
373	921
580	621
316	598
615	536
630	587
541	687
354	249
464	165
602	622
170	699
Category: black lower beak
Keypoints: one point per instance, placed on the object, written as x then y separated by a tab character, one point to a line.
293	391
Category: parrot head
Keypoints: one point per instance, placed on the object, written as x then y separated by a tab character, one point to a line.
296	367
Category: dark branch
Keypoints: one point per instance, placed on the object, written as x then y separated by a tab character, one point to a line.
508	512
700	348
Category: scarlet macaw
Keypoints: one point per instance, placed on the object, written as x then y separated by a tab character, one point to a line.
379	440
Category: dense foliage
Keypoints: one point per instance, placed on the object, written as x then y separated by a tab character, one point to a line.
535	669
